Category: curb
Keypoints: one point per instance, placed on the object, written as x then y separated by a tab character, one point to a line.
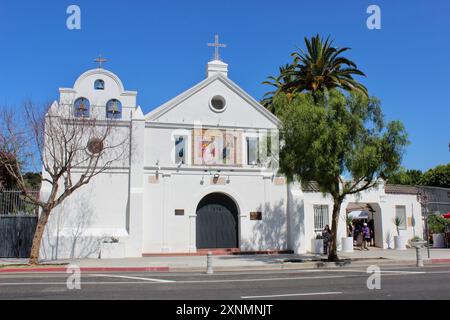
85	269
440	260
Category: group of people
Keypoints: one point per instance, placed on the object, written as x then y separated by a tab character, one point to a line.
362	233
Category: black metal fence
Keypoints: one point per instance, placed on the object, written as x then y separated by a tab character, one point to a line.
18	221
14	202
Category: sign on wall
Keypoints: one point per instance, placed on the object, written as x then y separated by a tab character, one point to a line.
256	216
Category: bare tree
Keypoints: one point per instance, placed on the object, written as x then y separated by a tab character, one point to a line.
70	151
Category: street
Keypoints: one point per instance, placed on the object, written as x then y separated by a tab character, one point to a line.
397	282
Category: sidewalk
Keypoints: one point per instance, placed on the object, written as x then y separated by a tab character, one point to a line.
236	262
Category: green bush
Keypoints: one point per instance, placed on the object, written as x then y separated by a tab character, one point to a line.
437	224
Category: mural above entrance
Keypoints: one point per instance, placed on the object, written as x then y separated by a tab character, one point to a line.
216	147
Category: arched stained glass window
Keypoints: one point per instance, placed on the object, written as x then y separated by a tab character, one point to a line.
114	109
99	84
81	108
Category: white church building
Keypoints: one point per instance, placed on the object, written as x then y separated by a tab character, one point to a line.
200	178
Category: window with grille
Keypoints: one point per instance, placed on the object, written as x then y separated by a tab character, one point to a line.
321	218
400	212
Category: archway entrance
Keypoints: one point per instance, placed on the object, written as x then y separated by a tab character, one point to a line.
369	213
217	222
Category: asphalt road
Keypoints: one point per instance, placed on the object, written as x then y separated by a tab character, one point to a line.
431	282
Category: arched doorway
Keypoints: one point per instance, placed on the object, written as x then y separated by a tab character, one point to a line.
369	213
217	222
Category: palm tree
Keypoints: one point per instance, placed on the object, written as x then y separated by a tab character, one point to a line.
280	83
317	70
322	68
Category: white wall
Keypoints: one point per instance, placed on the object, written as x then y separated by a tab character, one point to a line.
166	232
95	212
196	108
384	221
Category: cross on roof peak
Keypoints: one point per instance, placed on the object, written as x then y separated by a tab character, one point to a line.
216	46
100	60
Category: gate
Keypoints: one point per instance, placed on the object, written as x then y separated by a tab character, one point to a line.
18	221
16	235
217	222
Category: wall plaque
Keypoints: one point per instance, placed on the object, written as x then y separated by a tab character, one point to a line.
256	216
179	212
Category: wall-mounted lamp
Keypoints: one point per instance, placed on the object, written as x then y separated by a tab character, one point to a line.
158	168
202	182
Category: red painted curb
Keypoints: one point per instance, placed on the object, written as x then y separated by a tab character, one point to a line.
440	260
86	269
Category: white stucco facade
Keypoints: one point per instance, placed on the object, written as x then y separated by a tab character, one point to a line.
150	203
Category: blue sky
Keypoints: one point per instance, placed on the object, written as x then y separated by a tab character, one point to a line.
159	49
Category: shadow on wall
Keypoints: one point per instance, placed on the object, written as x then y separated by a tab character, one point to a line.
271	232
67	235
296	225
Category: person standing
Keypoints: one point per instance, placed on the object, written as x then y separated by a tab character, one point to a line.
326	234
366	236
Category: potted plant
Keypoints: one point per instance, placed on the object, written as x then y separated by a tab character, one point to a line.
436	227
317	244
399	240
417	242
347	242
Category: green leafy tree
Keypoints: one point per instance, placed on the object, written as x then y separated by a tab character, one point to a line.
406	177
33	180
346	135
7	180
437	177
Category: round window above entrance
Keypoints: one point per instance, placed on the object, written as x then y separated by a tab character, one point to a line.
218	104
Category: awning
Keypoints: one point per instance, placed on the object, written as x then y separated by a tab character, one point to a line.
359	215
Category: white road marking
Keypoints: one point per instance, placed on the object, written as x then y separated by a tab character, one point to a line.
82	283
252	280
402	272
160	281
132	278
292	295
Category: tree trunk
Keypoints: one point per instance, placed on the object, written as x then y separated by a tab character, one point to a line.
332	254
36	247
